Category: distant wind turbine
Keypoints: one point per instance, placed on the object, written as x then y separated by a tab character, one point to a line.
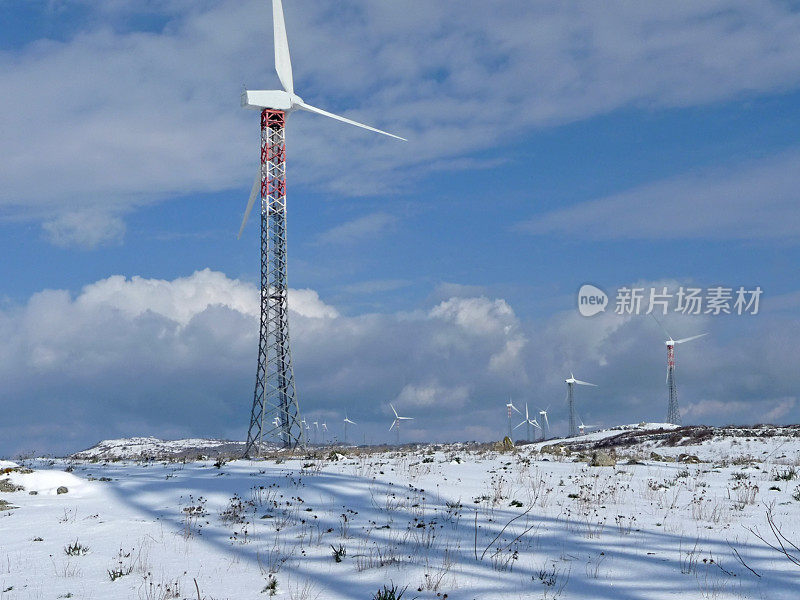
673	412
582	428
346	423
396	422
545	423
528	421
573	431
510	406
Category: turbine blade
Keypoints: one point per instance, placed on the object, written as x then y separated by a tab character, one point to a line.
660	325
689	339
521	424
666	377
393	410
579	382
325	113
253	193
283	64
392	425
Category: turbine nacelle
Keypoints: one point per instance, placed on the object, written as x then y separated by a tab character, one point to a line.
274	99
571	380
671	342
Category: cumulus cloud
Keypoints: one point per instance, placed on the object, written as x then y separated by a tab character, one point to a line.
138	356
143	116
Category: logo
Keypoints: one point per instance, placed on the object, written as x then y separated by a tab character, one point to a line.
591	300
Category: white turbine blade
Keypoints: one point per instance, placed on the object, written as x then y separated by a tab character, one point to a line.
521	424
406	418
546	422
392	425
253	194
325	113
579	382
662	327
393	410
689	339
283	64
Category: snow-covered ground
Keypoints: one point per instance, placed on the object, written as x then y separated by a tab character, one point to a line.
468	522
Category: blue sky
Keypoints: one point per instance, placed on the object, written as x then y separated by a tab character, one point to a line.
549	145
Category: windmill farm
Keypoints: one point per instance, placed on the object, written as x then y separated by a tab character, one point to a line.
275	414
339	358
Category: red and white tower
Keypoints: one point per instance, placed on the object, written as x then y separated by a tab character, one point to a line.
275	398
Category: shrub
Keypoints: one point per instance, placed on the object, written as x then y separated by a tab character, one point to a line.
76	549
339	553
390	593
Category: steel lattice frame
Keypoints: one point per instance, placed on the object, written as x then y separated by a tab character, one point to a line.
673	413
573	430
275	399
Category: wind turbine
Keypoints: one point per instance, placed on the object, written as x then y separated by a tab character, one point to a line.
582	428
346	423
510	406
546	426
316	430
275	392
673	412
571	400
396	422
528	421
324	432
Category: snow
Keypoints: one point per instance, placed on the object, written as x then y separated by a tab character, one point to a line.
144	447
466	521
48	481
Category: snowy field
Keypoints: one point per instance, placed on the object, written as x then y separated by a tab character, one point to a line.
462	522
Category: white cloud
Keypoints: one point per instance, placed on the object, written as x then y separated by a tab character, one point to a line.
126	118
351	232
138	355
432	395
749	202
86	229
177	357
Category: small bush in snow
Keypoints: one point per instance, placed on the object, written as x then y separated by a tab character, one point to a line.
339	553
390	593
76	549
